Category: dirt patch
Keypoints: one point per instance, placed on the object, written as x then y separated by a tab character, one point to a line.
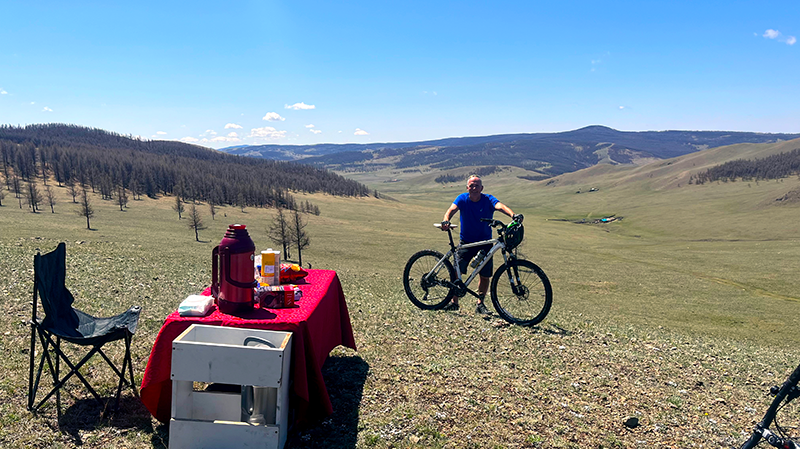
791	197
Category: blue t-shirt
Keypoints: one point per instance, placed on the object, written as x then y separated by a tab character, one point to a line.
472	229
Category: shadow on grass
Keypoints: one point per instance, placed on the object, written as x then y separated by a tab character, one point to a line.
344	378
87	414
554	329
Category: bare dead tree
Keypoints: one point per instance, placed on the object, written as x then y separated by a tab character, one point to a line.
122	198
299	236
73	190
178	206
212	208
16	185
195	221
33	196
278	232
51	198
85	207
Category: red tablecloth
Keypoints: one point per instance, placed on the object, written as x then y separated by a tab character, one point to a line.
320	323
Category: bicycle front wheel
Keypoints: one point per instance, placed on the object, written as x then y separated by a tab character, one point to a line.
521	292
428	288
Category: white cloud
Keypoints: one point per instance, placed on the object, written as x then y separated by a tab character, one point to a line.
311	125
211	132
267	132
161	132
46	109
315	131
300	105
231	137
360	132
233	134
189	139
621	107
273	117
3	91
232	125
775	34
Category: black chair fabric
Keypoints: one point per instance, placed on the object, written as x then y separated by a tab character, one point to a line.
64	321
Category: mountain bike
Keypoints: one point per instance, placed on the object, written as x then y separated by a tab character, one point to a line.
777	436
520	291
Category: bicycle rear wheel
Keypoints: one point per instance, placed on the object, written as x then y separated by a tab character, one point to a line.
783	395
521	292
426	288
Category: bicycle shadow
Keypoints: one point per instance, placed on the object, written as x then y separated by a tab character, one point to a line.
552	329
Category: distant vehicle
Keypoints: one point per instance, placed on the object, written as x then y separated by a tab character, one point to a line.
593	189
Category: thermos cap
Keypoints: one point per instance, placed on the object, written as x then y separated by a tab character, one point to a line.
238	226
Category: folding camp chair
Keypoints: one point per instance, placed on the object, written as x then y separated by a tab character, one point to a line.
63	322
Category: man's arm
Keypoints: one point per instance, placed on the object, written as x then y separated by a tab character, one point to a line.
448	214
504	209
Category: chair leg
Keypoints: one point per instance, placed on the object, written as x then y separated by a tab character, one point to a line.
45	341
74	371
58	372
130	364
31	392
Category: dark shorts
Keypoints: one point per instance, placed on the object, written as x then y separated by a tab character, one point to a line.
465	256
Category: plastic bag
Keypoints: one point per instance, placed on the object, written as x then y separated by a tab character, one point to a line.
196	305
291	272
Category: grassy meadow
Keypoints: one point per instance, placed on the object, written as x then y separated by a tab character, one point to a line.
682	314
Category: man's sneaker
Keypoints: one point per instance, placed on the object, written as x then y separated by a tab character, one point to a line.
451	307
481	309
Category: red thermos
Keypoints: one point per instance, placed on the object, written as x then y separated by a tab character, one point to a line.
233	272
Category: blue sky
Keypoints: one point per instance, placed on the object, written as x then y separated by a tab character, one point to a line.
295	72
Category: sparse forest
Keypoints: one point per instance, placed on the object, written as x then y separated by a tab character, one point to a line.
772	167
114	165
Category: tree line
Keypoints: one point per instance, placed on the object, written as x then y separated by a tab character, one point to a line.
772	167
112	165
480	171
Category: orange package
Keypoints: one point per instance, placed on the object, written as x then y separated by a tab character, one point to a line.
291	273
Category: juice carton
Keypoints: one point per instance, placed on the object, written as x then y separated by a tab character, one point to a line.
270	267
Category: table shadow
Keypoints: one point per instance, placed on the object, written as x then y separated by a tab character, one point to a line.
344	379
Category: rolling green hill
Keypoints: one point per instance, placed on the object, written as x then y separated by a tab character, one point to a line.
548	154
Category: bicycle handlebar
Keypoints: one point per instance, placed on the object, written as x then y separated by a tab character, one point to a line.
494	223
439	225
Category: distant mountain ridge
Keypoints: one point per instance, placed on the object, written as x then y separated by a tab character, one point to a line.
547	153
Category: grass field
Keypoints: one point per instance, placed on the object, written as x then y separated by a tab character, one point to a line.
681	314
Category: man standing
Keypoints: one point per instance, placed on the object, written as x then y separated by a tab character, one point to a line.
474	205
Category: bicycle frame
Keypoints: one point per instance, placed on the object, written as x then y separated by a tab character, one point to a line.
462	285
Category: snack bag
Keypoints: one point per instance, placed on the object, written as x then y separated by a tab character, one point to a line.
291	272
